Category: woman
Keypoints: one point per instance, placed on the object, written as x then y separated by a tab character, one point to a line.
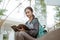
32	23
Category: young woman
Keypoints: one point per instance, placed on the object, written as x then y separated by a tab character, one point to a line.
32	23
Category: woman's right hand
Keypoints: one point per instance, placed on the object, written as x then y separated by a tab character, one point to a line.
21	29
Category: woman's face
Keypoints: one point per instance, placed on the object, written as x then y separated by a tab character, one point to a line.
29	13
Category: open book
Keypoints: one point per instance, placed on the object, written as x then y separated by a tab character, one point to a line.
20	26
14	27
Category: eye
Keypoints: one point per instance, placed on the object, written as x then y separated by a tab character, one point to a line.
27	12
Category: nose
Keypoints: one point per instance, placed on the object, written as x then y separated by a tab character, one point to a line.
27	13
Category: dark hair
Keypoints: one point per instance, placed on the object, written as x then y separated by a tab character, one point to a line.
29	9
20	26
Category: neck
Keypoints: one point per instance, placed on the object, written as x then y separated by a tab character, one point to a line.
30	19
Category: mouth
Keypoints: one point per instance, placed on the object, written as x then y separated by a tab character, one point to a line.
28	16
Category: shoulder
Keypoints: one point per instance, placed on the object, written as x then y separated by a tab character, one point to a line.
35	19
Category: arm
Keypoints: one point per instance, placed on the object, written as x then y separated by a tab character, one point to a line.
34	31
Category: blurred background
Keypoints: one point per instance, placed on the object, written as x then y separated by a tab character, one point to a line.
12	13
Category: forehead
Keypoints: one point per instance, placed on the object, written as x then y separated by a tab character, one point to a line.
28	10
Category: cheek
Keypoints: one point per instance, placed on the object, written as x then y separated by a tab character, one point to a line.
28	14
31	14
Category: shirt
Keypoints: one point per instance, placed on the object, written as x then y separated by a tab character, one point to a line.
33	26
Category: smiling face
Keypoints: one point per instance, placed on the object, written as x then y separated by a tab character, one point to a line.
29	13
